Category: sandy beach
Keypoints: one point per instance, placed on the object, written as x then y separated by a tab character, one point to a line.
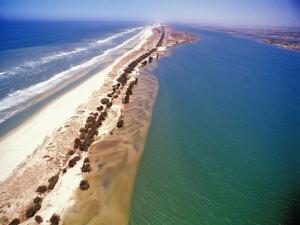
43	147
41	124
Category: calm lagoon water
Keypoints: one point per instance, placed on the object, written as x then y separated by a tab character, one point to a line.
223	147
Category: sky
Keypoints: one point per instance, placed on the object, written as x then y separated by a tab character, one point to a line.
211	12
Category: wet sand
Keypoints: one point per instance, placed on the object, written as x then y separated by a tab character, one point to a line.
115	158
114	162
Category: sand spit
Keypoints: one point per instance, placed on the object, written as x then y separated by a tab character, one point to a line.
55	167
114	161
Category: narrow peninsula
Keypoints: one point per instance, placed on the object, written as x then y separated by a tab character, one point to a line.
101	143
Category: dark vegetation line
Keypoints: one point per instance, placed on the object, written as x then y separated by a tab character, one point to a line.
161	39
88	133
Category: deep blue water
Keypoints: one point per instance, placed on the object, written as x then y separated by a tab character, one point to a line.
223	147
22	34
36	57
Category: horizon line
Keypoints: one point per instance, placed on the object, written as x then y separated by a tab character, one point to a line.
249	26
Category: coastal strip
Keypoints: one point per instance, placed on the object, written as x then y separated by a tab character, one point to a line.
61	165
282	38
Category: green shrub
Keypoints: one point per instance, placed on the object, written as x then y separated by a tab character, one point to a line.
84	185
104	101
52	181
120	123
41	189
74	160
37	200
15	221
54	220
32	210
86	168
100	108
38	219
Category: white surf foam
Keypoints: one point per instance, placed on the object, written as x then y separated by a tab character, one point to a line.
58	55
21	96
128	31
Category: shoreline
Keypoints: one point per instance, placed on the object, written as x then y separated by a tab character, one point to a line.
115	160
78	76
264	36
54	144
73	98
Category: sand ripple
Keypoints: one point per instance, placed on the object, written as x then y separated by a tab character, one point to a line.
114	160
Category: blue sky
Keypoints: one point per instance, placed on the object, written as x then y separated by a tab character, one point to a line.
221	12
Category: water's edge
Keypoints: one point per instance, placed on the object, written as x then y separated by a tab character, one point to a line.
115	161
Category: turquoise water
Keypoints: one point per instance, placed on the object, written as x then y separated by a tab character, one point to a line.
223	147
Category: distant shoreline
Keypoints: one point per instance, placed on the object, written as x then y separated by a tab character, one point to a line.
282	38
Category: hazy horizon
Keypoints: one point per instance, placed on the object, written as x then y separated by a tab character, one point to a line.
247	13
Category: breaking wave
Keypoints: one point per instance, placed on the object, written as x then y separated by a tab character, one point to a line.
58	55
9	104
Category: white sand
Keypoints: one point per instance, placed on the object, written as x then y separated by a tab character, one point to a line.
62	196
20	143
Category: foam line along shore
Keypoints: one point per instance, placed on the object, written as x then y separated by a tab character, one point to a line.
58	162
19	99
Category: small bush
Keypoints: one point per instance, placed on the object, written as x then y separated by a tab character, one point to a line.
41	189
82	135
54	220
120	123
104	114
52	182
15	221
104	101
37	200
38	219
98	123
84	185
100	108
84	146
77	157
86	168
86	160
82	129
108	105
126	100
31	211
77	143
90	119
129	92
150	59
64	170
73	161
71	152
136	81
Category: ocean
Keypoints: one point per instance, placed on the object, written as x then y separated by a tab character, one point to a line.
223	147
37	58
